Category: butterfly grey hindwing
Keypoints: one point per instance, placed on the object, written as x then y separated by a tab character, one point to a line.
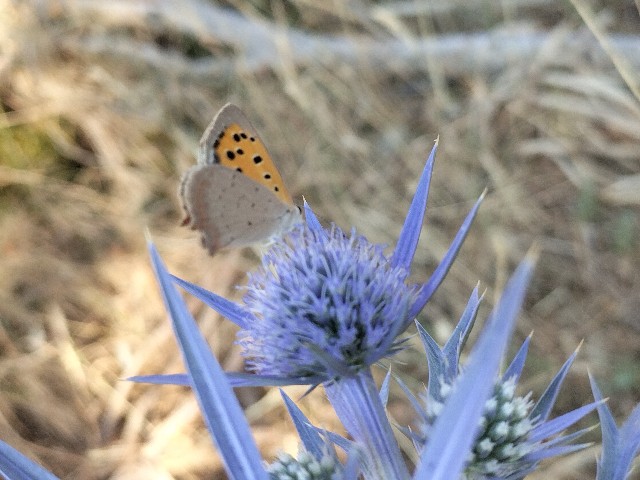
231	210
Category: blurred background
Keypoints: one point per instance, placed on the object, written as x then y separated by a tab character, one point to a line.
103	104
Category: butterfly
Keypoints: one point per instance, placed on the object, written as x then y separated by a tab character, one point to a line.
235	195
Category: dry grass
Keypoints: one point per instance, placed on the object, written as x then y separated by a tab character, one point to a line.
103	107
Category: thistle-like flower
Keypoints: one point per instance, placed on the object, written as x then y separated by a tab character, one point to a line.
324	304
513	434
325	307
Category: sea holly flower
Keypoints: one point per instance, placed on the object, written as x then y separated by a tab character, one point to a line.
324	303
325	306
513	434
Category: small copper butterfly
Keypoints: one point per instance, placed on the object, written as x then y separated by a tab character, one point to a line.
235	195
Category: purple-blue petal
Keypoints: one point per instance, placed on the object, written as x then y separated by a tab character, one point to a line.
181	379
543	407
568	438
384	389
558	424
235	379
445	454
340	441
308	434
351	469
410	233
312	221
545	453
224	307
439	368
15	466
517	364
619	446
630	438
429	288
220	408
453	347
415	402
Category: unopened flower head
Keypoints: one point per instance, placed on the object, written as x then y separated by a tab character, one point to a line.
502	444
324	303
304	467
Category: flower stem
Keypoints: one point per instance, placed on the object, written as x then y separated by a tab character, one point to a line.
358	405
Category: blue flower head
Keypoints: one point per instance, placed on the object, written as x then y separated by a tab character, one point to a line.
324	303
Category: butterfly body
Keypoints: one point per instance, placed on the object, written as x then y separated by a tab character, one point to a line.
235	196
